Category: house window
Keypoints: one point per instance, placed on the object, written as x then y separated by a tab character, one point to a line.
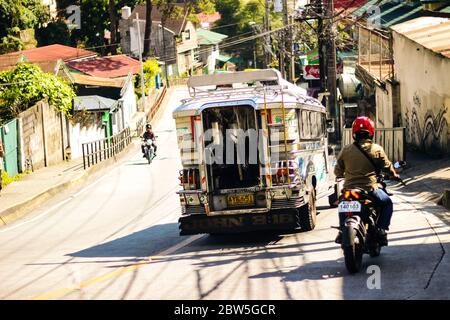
187	35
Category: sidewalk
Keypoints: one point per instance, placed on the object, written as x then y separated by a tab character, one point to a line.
426	179
427	176
22	196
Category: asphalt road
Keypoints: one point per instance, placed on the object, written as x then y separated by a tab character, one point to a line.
117	238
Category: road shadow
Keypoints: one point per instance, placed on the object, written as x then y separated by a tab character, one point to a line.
143	243
400	275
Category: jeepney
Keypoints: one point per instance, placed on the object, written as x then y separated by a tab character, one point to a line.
254	154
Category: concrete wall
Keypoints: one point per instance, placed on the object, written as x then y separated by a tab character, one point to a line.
129	103
387	105
42	135
424	78
90	129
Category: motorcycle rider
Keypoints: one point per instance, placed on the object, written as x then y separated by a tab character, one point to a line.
359	172
149	135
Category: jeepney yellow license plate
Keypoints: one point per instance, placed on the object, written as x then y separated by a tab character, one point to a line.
241	199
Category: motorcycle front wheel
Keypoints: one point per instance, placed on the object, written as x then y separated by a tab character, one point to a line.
353	249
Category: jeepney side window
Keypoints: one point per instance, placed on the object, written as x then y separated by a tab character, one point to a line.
314	123
305	125
323	125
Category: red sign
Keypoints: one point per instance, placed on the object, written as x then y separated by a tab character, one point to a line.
313	72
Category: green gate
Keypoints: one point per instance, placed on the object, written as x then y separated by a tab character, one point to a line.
8	133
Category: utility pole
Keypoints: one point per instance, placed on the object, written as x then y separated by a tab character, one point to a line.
267	57
140	60
284	42
292	62
331	65
288	47
165	54
327	59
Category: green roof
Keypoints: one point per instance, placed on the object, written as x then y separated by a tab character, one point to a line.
206	37
445	9
391	12
223	58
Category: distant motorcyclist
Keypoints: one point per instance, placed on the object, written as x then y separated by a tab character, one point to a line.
359	172
149	135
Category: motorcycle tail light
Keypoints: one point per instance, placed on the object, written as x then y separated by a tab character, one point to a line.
347	194
355	194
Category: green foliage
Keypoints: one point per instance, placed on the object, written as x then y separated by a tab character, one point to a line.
151	68
7	179
54	32
10	43
16	15
26	85
94	21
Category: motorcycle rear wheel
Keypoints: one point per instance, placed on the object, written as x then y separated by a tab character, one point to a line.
353	251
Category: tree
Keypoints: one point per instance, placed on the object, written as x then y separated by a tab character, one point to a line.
54	32
18	15
148	27
96	17
229	10
112	11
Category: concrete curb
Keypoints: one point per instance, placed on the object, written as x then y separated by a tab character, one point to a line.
20	210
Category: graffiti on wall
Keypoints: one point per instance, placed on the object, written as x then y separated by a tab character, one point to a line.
430	134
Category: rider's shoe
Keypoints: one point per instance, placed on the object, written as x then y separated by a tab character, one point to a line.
338	239
382	237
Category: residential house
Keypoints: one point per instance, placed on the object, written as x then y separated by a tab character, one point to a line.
207	20
103	72
375	67
99	109
208	51
52	7
421	51
173	44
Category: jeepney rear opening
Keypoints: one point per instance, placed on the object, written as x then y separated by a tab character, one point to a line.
231	145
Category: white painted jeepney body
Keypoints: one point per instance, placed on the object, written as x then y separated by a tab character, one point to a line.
307	151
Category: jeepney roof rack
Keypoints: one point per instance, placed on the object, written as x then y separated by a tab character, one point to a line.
268	79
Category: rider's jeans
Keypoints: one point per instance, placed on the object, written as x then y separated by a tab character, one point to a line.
385	202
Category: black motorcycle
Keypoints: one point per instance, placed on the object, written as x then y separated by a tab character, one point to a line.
148	150
359	233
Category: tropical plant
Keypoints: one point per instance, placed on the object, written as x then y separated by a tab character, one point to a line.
25	85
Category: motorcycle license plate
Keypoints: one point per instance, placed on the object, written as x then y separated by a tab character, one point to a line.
349	206
241	199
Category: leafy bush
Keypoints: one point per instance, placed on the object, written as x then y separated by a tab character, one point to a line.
24	86
6	179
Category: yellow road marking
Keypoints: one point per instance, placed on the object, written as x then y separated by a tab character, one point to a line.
118	272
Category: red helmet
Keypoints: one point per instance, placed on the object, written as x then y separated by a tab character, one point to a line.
363	124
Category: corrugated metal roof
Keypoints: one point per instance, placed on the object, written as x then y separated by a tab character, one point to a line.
445	9
107	67
430	32
93	103
206	37
52	52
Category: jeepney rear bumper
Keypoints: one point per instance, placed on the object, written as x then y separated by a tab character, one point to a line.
283	219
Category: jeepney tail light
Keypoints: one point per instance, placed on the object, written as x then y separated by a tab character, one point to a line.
284	170
190	179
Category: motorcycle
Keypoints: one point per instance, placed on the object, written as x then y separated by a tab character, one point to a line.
359	233
148	150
